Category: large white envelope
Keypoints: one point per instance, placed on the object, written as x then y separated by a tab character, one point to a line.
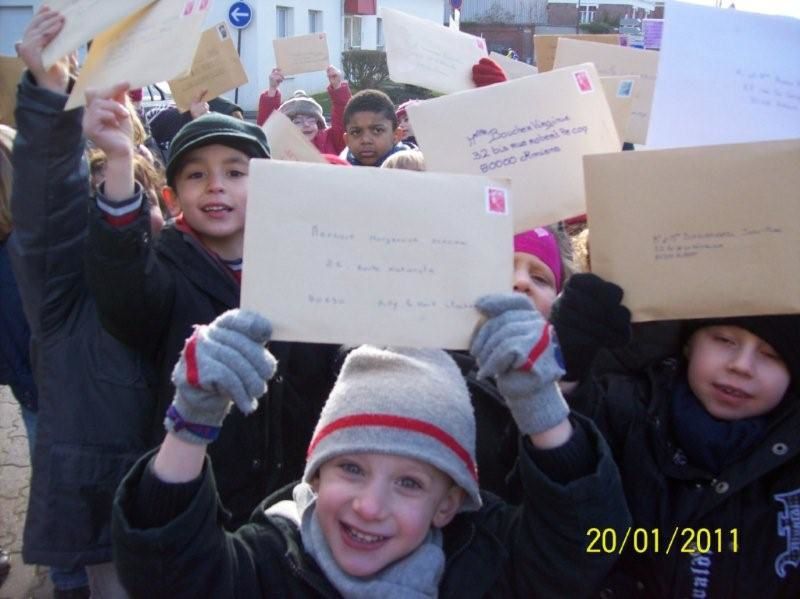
725	76
420	52
613	60
369	255
699	232
533	130
287	142
513	68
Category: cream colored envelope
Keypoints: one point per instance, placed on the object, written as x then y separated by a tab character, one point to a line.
613	61
287	142
216	68
155	44
619	93
533	130
420	52
544	46
371	255
83	20
513	68
302	53
698	232
11	69
738	71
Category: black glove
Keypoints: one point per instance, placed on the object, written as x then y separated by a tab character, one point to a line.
589	316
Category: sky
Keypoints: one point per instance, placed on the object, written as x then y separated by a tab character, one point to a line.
772	7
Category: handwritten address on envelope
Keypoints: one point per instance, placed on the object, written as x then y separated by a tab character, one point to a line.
328	265
698	232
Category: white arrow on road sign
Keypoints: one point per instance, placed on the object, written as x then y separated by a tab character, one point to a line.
240	14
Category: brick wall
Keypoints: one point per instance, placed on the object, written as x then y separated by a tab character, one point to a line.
500	37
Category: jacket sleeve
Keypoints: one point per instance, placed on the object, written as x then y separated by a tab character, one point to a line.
48	204
133	289
335	133
267	105
188	556
548	535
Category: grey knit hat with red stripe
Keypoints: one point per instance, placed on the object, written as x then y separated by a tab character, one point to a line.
408	402
302	103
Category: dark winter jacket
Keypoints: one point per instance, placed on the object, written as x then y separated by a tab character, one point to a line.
95	406
757	496
15	336
398	147
151	294
537	550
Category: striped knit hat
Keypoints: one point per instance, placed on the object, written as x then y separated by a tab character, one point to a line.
408	402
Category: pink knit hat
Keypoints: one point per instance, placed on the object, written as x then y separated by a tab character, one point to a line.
543	244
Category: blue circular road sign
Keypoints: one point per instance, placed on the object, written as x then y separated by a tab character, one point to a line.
240	15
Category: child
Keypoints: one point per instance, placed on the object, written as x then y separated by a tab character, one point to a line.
371	131
389	503
410	160
404	123
707	441
151	293
306	113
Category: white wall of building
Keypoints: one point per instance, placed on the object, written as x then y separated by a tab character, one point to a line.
257	54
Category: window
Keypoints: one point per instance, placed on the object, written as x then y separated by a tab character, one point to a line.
352	32
283	22
379	43
315	21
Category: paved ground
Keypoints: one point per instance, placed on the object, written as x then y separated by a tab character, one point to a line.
24	581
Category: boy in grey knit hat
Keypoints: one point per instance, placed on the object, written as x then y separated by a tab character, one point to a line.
389	504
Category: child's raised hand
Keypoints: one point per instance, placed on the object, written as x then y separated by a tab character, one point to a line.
334	76
107	123
199	106
515	346
275	78
487	72
44	26
222	362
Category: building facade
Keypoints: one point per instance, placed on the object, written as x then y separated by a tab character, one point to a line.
571	13
505	23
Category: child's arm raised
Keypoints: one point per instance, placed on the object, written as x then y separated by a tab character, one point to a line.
339	92
270	100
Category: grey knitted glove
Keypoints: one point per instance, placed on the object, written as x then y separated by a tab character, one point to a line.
515	344
222	362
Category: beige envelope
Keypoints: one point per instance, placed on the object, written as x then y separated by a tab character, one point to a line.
83	20
302	53
11	69
619	93
287	142
513	68
613	61
533	130
216	68
698	232
544	46
370	255
423	53
155	44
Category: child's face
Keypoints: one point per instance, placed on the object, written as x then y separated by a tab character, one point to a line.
405	126
375	509
307	124
211	189
734	373
369	136
535	279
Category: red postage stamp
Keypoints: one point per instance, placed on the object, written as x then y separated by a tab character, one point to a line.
583	81
496	200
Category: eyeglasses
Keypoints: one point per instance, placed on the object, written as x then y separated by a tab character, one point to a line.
301	120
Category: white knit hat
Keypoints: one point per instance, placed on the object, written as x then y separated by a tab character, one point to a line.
302	103
407	402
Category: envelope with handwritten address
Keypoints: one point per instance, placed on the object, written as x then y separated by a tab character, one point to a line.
216	69
741	86
423	53
157	43
287	142
83	20
698	232
11	69
619	94
544	46
513	68
301	53
533	130
614	61
387	267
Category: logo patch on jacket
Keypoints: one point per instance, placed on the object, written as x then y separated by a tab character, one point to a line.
789	527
